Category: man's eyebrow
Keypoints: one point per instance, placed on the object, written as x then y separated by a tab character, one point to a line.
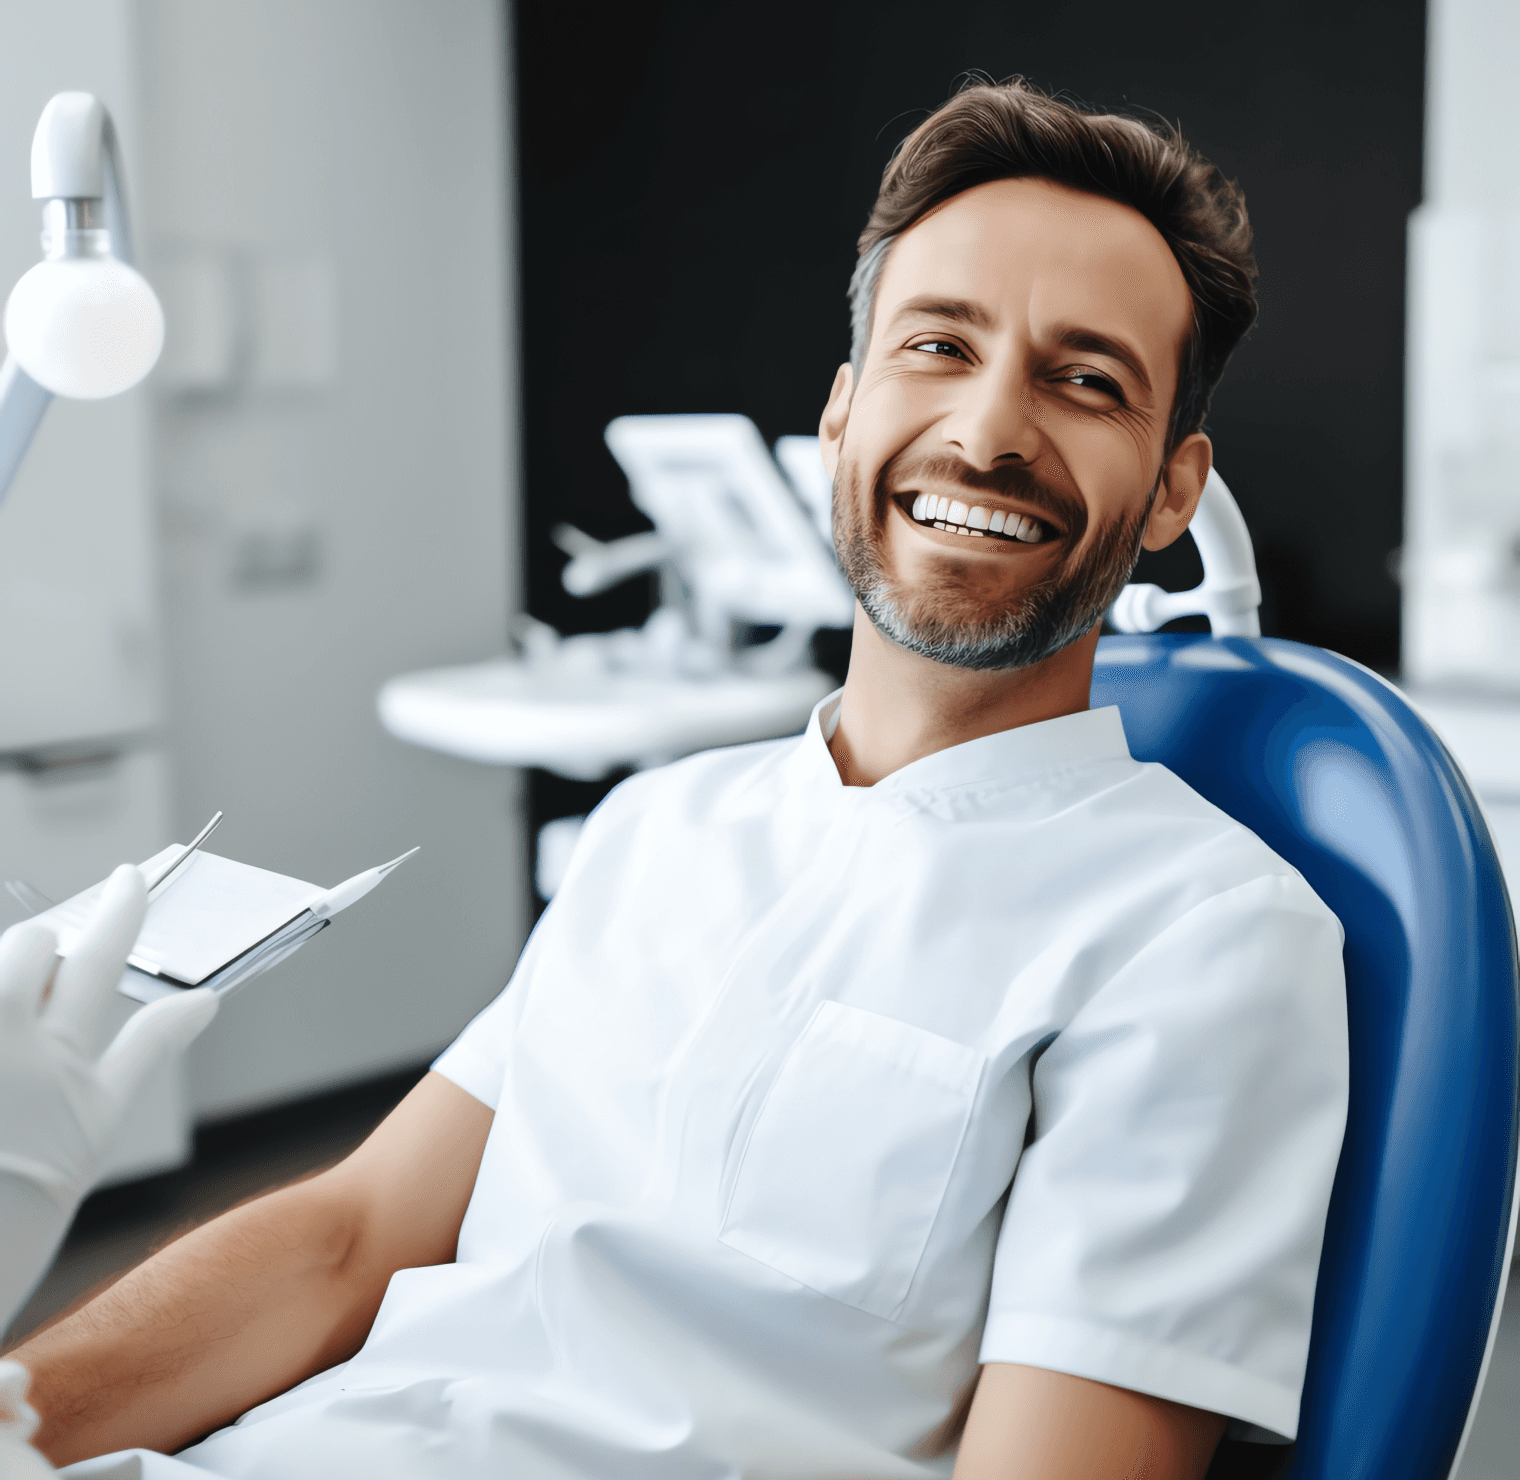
952	310
1101	344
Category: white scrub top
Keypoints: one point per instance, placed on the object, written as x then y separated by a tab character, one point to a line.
809	1098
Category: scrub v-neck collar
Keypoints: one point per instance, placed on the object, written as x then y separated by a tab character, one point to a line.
1006	758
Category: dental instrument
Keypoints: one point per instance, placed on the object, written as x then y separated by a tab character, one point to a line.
162	875
340	896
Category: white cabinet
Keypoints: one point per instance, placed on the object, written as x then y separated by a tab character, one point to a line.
62	826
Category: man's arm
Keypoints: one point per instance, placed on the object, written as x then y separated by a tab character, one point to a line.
1030	1424
264	1296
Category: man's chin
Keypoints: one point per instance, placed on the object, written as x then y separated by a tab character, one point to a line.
1005	641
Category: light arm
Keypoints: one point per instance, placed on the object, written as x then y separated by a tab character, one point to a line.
22	405
1027	1423
114	198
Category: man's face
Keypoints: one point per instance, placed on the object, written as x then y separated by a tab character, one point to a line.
1021	371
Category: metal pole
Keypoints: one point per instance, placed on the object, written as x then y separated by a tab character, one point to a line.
22	404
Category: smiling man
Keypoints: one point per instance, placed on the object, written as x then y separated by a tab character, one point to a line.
942	1089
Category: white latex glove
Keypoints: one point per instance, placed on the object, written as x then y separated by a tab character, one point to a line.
18	1422
60	1104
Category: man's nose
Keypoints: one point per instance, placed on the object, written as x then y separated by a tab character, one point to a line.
994	420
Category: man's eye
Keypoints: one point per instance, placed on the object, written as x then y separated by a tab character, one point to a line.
947	347
1091	380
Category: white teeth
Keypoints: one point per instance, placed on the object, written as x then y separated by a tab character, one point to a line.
958	518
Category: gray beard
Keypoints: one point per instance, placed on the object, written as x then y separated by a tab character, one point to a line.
1064	606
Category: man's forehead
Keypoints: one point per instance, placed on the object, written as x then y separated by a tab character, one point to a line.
1045	254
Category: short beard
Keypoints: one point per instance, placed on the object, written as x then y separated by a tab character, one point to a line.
940	621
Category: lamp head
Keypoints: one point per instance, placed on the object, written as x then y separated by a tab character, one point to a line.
82	323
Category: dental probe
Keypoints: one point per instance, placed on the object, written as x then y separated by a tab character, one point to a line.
179	858
340	896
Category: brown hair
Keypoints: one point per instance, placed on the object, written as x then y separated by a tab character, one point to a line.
1012	130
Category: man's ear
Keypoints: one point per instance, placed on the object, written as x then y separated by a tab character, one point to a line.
1182	478
836	416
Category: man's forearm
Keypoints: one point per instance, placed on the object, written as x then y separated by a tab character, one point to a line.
262	1297
225	1317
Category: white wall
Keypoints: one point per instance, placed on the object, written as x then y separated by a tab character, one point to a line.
324	192
1462	509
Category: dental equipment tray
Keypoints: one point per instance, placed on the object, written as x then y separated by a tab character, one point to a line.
211	922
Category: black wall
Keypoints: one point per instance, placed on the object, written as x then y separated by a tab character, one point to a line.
693	177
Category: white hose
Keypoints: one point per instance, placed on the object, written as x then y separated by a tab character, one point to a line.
1229	594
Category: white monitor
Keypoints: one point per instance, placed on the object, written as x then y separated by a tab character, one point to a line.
742	539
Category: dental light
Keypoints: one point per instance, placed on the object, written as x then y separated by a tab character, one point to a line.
83	323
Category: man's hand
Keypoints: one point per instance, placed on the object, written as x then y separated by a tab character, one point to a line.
1030	1424
262	1297
61	1100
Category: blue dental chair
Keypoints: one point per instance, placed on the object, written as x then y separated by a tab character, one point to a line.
1339	775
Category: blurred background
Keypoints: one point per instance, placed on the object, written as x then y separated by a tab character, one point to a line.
414	255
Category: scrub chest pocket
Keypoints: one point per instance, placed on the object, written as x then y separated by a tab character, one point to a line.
847	1163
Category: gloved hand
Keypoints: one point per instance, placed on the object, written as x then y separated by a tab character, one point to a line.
60	1103
18	1422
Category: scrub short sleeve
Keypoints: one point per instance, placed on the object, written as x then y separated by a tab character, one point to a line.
1163	1231
476	1060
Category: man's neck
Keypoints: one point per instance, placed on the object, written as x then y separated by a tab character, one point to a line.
899	707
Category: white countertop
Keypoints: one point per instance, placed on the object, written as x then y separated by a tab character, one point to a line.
510	712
